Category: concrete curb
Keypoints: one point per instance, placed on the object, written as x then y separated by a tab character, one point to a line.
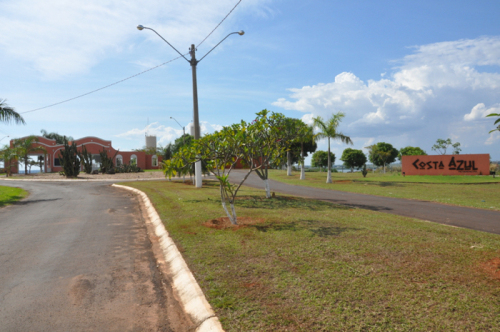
184	284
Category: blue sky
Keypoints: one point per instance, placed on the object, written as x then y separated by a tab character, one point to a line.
406	73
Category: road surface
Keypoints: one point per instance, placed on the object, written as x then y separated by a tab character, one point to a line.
76	257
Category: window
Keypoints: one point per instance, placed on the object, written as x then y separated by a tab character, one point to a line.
133	160
119	160
154	161
57	162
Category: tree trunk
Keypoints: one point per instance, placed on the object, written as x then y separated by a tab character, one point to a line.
302	171
329	176
231	215
268	189
288	163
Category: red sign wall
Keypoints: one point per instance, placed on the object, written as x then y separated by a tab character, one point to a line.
456	164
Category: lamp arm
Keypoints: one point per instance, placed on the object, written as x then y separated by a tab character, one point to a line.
182	55
232	33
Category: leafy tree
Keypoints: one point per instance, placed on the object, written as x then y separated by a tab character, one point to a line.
411	151
221	151
442	145
291	132
381	154
24	146
497	122
167	152
8	114
183	141
329	129
305	143
353	158
8	155
59	138
267	139
320	159
70	159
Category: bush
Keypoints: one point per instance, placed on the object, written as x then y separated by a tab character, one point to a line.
127	169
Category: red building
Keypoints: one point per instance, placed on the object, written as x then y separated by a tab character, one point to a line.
94	145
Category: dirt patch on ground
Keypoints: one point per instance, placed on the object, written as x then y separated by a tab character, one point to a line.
492	267
225	223
343	181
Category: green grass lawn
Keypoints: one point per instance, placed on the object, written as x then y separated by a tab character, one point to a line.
307	265
9	195
473	191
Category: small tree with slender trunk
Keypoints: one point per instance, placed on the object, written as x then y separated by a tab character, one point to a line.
329	129
8	155
25	146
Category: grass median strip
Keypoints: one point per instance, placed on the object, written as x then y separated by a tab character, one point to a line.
303	265
472	191
10	195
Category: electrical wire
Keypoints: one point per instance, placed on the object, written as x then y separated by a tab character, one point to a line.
130	77
102	88
220	23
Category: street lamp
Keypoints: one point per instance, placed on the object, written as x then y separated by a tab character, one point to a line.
183	129
3	138
193	62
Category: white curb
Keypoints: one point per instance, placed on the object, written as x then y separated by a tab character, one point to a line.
184	284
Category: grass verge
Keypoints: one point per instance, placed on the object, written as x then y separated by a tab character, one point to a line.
10	195
471	191
305	265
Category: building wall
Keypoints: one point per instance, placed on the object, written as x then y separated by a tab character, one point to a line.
94	145
457	164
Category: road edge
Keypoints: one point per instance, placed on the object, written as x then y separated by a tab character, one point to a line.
184	285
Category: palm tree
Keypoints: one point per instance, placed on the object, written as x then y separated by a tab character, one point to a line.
8	114
24	146
328	129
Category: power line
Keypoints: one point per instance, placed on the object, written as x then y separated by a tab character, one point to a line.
220	23
142	72
102	88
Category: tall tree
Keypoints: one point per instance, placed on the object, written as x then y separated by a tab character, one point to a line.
267	140
25	146
442	145
320	159
329	129
353	158
59	138
8	114
382	153
306	142
411	151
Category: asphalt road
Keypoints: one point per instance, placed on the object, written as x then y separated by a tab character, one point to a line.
76	257
477	219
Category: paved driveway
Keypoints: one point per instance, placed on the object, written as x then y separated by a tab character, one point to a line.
76	257
482	220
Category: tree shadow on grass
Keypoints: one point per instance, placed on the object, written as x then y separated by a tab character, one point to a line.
10	200
285	202
386	184
317	228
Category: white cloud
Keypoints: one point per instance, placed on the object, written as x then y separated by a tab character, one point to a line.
479	112
494	137
424	98
59	37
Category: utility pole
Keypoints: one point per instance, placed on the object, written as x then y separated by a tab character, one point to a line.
196	120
